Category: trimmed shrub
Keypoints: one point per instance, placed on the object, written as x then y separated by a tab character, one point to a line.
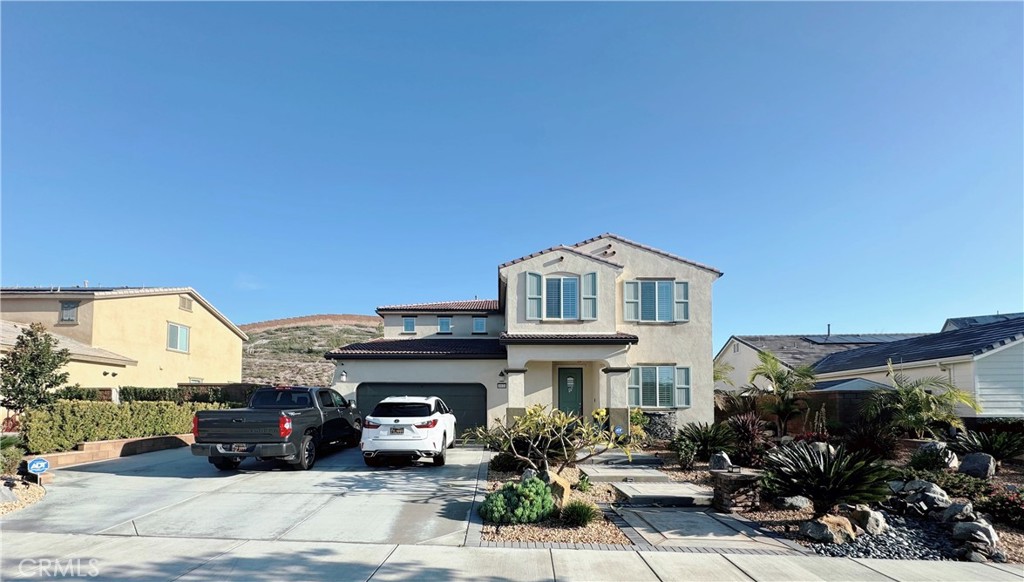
686	450
955	484
826	479
62	425
1002	424
179	395
526	502
79	393
506	463
10	455
880	441
1001	445
928	460
708	438
1004	507
578	513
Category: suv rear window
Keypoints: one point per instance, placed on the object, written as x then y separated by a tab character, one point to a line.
281	399
401	409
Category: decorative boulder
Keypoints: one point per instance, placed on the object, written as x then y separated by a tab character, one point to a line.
528	474
560	488
7	495
981	532
932	496
794	502
896	486
958	512
932	447
916	485
831	529
823	448
873	522
980	465
719	462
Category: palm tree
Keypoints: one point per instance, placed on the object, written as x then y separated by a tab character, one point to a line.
782	396
918	406
722	371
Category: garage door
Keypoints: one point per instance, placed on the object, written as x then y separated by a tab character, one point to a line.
467	401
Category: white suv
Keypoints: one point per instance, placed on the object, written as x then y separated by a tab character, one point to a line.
408	426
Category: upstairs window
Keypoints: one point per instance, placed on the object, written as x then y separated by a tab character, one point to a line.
177	337
444	325
69	311
559	297
663	300
479	325
408	325
659	387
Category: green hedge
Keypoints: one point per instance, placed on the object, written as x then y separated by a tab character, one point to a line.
62	425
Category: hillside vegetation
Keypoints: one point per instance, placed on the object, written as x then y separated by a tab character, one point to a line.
291	351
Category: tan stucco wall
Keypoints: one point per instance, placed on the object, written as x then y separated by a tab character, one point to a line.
743	360
136	327
46	310
426	326
424	372
90	375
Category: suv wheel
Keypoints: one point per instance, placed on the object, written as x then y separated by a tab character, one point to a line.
440	457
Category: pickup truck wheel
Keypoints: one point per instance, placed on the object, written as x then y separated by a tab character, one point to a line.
307	454
441	457
357	433
226	464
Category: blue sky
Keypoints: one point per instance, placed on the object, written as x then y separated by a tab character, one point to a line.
858	164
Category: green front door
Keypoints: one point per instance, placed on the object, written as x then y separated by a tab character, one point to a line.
570	390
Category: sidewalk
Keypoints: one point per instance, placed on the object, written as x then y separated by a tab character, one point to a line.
151	558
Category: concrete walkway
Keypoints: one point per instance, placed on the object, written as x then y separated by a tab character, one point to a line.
137	558
692	527
677	494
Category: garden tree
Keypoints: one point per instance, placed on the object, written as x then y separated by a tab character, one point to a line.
919	406
721	373
539	436
785	384
30	372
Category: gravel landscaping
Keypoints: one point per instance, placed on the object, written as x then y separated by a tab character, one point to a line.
553	530
27	493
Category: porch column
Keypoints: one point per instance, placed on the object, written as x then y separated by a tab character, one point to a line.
516	380
617	382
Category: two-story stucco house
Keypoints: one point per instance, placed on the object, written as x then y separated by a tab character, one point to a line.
605	323
130	336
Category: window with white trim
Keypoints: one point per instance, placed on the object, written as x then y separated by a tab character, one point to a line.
560	297
69	311
177	337
444	325
408	325
659	387
479	325
656	300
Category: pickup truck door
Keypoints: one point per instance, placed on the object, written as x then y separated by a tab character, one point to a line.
333	416
348	413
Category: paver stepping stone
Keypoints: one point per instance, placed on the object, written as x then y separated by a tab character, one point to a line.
620	473
665	494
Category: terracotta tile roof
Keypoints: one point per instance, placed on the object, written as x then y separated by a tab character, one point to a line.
474	305
425	348
80	352
567	338
560	248
649	248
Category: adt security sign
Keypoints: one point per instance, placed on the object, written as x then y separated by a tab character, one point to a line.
38	466
618	430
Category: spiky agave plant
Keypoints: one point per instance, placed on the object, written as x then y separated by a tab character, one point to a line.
827	479
1001	445
707	438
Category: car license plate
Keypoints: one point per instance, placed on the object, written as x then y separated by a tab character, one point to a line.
239	448
397	430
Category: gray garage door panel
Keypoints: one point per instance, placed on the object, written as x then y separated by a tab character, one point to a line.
467	401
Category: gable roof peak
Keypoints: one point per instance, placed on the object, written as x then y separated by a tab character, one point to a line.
560	248
633	243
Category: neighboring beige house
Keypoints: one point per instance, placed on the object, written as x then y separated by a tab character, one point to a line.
741	352
985	359
605	323
130	336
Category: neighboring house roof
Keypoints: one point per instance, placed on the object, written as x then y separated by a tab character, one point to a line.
969	341
471	305
426	348
560	248
565	338
850	385
962	322
804	350
80	352
648	248
113	292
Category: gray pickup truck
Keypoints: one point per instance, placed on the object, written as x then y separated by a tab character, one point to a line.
285	422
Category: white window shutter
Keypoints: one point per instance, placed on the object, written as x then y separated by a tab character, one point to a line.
631	299
682	301
589	296
534	296
682	387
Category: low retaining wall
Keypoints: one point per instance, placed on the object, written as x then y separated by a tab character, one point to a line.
103	450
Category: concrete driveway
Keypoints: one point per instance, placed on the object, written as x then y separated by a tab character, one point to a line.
173	494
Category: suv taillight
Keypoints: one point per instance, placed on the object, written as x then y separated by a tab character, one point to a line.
284	426
370	424
195	426
428	424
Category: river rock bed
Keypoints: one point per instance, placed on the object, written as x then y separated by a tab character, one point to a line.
907	538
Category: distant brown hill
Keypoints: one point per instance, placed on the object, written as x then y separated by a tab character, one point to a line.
291	350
